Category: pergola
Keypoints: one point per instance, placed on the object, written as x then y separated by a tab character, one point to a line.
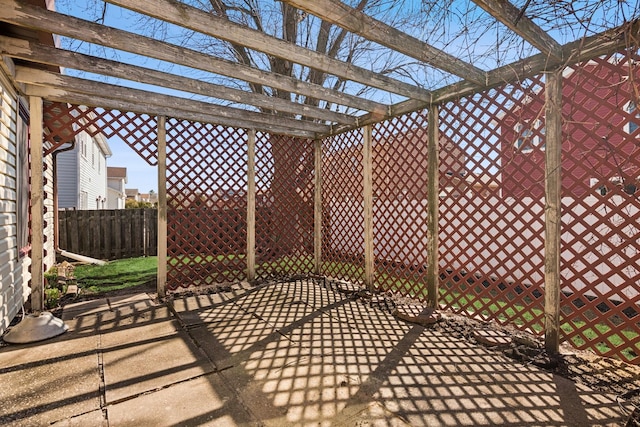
31	66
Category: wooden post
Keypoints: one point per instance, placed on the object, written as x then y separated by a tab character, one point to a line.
162	207
433	199
317	208
553	215
37	204
251	205
369	265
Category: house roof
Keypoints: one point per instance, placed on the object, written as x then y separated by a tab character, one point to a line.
131	191
117	172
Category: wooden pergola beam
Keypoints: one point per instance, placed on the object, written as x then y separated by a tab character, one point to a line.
104	90
357	22
29	16
605	43
510	16
195	19
42	54
64	95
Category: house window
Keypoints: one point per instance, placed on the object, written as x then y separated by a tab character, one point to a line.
529	136
83	145
84	200
634	122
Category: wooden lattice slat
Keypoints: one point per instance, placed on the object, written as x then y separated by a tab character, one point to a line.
207	199
600	197
400	200
342	209
284	206
491	228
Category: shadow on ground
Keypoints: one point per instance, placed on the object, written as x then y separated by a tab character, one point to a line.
292	353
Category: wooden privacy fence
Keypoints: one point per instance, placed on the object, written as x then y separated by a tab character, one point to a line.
109	234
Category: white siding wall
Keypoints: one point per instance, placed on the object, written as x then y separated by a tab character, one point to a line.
14	270
93	174
82	176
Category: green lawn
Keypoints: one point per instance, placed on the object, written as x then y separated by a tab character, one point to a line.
117	275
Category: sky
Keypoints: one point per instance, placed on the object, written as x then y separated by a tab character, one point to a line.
139	174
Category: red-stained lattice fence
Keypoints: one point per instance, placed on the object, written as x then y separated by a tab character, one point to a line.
343	207
284	206
601	206
64	122
492	226
399	156
206	204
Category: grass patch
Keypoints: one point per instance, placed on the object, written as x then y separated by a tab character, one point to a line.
117	275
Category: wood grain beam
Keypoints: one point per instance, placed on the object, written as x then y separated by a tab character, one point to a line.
25	15
65	95
197	20
359	23
43	54
509	15
37	203
553	211
74	84
580	50
161	275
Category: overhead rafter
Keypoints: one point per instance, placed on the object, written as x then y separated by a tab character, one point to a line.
359	23
605	43
67	96
242	118
221	28
510	16
26	15
43	54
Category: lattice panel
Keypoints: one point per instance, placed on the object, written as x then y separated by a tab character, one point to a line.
399	153
491	224
601	205
207	199
343	207
138	131
284	206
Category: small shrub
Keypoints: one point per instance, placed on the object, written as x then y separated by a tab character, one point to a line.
52	296
51	277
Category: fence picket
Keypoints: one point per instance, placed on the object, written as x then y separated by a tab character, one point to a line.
109	234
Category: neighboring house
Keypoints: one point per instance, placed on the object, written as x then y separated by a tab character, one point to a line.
132	194
600	126
15	259
394	158
116	180
151	197
82	174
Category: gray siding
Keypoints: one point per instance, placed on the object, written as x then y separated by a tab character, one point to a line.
82	176
67	170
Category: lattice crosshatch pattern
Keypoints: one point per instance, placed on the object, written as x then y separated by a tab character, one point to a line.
343	207
206	202
284	206
601	206
492	226
138	131
399	176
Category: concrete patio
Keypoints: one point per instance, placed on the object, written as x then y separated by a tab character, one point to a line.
296	353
